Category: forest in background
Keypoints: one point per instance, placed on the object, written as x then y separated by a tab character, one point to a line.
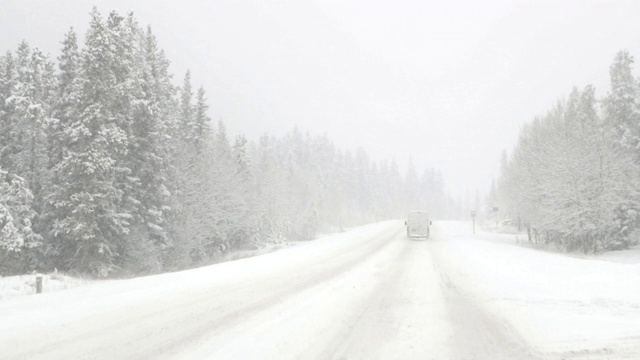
573	179
107	168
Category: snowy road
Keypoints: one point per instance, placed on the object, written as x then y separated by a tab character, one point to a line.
370	293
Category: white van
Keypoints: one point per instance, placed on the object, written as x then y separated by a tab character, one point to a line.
418	224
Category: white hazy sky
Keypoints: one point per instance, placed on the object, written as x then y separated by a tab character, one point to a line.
447	84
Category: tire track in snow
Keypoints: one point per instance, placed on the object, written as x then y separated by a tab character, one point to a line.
477	334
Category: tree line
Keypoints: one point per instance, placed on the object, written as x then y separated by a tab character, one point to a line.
573	179
109	169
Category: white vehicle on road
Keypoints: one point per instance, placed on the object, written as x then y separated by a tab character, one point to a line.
418	224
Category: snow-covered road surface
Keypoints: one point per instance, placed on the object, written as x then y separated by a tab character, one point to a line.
369	293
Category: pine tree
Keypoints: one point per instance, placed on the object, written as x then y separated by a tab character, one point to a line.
15	122
148	118
17	237
165	143
8	79
90	222
241	158
622	112
33	98
186	108
621	105
200	122
65	112
68	95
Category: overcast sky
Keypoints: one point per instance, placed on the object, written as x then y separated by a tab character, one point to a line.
447	84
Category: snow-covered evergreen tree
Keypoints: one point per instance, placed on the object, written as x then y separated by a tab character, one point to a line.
67	97
622	113
148	185
622	106
17	237
8	79
186	108
569	178
91	222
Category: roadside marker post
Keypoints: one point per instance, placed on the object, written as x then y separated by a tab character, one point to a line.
473	217
38	284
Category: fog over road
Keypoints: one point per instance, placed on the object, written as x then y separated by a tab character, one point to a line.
370	293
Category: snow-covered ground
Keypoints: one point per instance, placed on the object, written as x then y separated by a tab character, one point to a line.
560	303
369	293
25	285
